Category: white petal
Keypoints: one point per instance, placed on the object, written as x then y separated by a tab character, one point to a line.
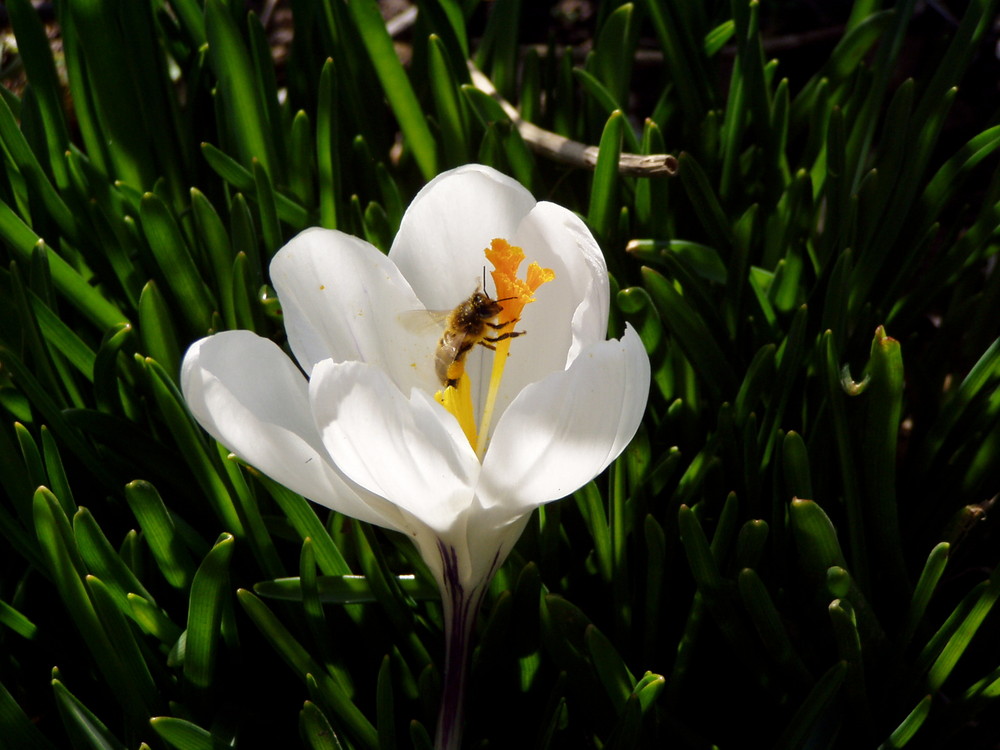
570	312
476	549
440	247
557	238
440	243
344	300
561	432
249	396
408	450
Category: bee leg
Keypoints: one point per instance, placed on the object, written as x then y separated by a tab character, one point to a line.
502	336
501	326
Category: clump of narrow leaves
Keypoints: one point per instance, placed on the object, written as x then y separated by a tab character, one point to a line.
797	548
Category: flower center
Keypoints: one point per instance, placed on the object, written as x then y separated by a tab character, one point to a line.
513	294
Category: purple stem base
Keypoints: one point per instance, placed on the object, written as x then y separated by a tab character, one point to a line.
461	607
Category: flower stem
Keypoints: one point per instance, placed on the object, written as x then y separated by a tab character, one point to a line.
456	664
461	607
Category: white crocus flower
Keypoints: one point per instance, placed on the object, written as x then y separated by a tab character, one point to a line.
366	426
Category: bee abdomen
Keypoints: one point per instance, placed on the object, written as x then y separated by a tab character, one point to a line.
449	360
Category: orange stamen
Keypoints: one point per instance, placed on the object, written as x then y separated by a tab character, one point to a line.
515	293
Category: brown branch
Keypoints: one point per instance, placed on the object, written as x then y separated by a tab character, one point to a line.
556	147
545	142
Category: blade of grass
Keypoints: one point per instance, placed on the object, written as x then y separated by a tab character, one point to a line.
881	436
327	153
183	734
22	240
214	239
106	73
189	439
963	634
770	627
614	51
497	54
937	560
132	664
805	723
692	335
317	730
902	734
267	210
53	414
395	84
27	164
81	724
116	578
176	264
289	210
160	532
846	460
448	104
245	113
205	605
683	57
157	330
303	665
17	728
33	47
602	212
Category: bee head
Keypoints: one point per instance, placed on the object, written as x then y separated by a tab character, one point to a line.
485	307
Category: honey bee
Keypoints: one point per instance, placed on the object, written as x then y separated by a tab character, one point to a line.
469	324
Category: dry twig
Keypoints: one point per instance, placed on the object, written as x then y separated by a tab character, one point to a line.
545	142
574	153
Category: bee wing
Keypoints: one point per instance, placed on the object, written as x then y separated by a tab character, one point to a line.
419	321
451	349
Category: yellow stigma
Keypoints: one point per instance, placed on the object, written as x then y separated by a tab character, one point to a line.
513	293
459	402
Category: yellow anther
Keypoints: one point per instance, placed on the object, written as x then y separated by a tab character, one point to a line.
512	294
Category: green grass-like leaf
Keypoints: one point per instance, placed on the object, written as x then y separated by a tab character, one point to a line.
818	301
395	84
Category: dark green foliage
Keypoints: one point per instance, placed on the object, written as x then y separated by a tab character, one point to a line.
795	551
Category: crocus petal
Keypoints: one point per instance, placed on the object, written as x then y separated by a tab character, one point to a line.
569	313
558	239
561	432
408	450
492	534
438	249
476	549
250	397
447	226
344	300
